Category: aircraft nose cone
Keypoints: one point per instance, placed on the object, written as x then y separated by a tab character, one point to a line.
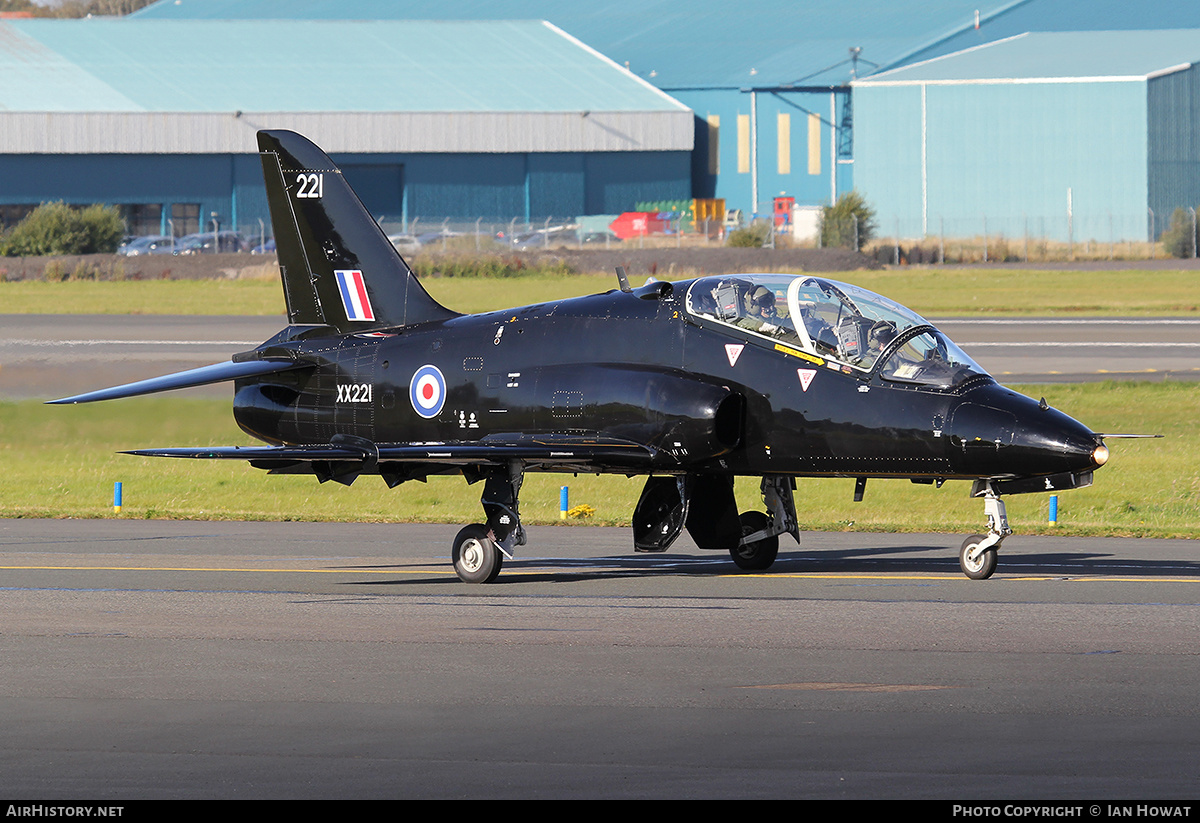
1057	438
996	432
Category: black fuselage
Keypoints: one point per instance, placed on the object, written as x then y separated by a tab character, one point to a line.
638	367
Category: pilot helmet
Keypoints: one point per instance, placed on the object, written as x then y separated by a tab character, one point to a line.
763	298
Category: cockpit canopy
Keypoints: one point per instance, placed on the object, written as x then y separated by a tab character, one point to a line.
835	322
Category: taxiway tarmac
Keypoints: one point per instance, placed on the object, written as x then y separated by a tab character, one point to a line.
148	659
170	659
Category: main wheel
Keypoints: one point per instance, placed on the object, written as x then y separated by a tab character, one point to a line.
975	564
757	556
476	557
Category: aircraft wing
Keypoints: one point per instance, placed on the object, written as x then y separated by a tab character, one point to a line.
216	373
551	450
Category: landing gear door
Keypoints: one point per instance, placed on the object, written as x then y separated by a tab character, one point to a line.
660	514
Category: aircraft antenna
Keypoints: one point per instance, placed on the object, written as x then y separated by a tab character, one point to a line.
623	279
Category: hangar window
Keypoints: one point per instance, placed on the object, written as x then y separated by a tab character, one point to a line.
14	214
185	218
141	218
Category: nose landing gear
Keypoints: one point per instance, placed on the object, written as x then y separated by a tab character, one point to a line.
977	557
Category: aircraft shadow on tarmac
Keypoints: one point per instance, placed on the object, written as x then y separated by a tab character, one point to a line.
880	559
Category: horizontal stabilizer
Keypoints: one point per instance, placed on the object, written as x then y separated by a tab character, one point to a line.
202	376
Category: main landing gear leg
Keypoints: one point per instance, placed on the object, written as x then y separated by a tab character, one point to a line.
760	532
479	549
977	557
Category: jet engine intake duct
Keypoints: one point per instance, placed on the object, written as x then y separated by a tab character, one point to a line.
714	424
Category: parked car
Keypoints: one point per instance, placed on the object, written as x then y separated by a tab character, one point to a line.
149	244
266	248
562	236
205	243
405	243
168	247
436	236
551	239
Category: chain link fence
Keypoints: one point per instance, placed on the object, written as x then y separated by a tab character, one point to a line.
1025	238
890	240
503	235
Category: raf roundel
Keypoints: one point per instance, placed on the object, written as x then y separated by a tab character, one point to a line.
427	391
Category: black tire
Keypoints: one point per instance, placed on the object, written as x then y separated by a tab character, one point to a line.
476	557
758	556
984	565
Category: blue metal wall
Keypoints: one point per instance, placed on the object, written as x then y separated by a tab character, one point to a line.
1056	160
530	186
788	124
231	186
616	182
393	186
1174	143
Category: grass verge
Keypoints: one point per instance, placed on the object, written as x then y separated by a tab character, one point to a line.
61	462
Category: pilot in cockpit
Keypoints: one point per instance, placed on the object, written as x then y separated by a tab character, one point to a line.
762	316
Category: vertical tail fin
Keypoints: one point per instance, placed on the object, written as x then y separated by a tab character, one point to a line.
338	267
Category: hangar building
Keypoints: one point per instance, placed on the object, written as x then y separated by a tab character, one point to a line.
770	81
462	119
1075	136
771	86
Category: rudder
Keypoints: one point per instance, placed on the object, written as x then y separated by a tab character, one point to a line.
338	268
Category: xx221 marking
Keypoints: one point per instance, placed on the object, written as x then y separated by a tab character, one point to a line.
354	393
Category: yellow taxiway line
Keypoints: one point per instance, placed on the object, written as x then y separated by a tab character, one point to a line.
543	570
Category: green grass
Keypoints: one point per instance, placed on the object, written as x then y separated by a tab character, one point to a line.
929	291
935	292
251	297
61	462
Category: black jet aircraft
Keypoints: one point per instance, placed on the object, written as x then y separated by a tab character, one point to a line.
690	383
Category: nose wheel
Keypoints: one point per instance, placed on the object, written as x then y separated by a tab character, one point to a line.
977	563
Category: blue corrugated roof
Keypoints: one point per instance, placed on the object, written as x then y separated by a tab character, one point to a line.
1057	55
1066	15
38	78
694	44
301	66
